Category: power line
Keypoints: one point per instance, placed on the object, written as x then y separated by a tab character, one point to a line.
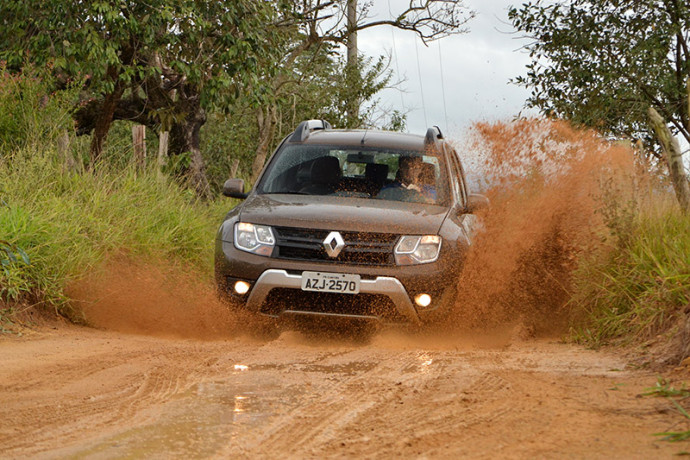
395	59
421	86
443	86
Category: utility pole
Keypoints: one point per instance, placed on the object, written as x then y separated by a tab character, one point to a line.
353	103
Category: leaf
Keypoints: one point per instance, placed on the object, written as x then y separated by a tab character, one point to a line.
24	256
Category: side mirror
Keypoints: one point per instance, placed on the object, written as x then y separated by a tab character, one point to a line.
476	202
234	188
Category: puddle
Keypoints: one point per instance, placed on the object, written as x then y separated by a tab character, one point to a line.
348	369
199	423
345	369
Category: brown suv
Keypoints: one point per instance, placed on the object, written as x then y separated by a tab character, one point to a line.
349	223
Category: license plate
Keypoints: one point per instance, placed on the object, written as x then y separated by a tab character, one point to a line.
330	282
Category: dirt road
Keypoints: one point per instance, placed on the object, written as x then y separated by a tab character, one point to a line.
84	393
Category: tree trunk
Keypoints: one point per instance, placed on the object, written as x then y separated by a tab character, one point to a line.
102	125
185	138
267	123
104	118
674	159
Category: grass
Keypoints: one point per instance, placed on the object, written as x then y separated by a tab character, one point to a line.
664	389
57	225
67	223
636	289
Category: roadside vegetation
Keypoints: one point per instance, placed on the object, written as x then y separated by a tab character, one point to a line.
639	287
57	223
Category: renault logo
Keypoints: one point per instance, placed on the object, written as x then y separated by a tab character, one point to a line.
333	244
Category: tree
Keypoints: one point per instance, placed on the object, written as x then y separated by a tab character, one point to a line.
605	63
167	63
429	19
160	63
313	59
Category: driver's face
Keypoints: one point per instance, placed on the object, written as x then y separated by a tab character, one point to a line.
409	170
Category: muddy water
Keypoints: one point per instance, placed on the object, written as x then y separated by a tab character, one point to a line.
198	422
80	393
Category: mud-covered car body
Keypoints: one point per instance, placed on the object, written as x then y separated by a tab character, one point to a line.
328	231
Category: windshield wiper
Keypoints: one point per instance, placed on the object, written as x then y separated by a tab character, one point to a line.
288	193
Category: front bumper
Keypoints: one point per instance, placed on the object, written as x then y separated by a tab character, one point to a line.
384	285
386	292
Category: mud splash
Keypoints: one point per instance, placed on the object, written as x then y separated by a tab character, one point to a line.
552	190
156	298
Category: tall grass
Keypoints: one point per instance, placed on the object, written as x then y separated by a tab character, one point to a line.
31	111
638	288
67	223
57	225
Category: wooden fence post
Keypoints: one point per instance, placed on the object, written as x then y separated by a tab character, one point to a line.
162	150
68	162
233	168
139	143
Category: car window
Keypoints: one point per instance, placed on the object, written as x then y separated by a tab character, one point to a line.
376	173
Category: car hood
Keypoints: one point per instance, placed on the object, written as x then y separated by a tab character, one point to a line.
343	213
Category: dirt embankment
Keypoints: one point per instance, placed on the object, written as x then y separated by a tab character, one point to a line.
98	394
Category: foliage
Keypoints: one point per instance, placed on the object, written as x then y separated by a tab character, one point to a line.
312	88
168	64
14	262
67	223
30	111
663	388
159	63
207	44
638	287
603	63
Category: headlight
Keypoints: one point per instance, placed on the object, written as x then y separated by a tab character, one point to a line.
412	250
257	239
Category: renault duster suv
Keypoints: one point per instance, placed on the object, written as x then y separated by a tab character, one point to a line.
350	224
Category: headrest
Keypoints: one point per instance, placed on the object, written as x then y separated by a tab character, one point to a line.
376	173
427	175
405	161
325	170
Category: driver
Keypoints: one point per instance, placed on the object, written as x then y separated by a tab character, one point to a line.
407	185
409	169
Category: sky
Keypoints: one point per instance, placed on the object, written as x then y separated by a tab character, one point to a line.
471	71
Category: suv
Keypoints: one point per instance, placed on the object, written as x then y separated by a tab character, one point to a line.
349	224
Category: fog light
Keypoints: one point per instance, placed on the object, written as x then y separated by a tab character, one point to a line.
241	287
423	300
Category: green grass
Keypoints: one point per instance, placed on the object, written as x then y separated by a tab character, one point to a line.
637	289
665	390
67	223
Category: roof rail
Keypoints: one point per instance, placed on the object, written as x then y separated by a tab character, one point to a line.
305	128
433	135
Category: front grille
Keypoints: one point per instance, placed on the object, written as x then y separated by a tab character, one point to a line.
281	299
361	248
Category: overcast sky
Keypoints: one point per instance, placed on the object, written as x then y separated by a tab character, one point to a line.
473	69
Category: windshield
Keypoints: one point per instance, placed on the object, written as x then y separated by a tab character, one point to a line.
374	173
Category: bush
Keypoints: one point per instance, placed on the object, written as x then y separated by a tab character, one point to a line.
31	112
639	287
67	223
